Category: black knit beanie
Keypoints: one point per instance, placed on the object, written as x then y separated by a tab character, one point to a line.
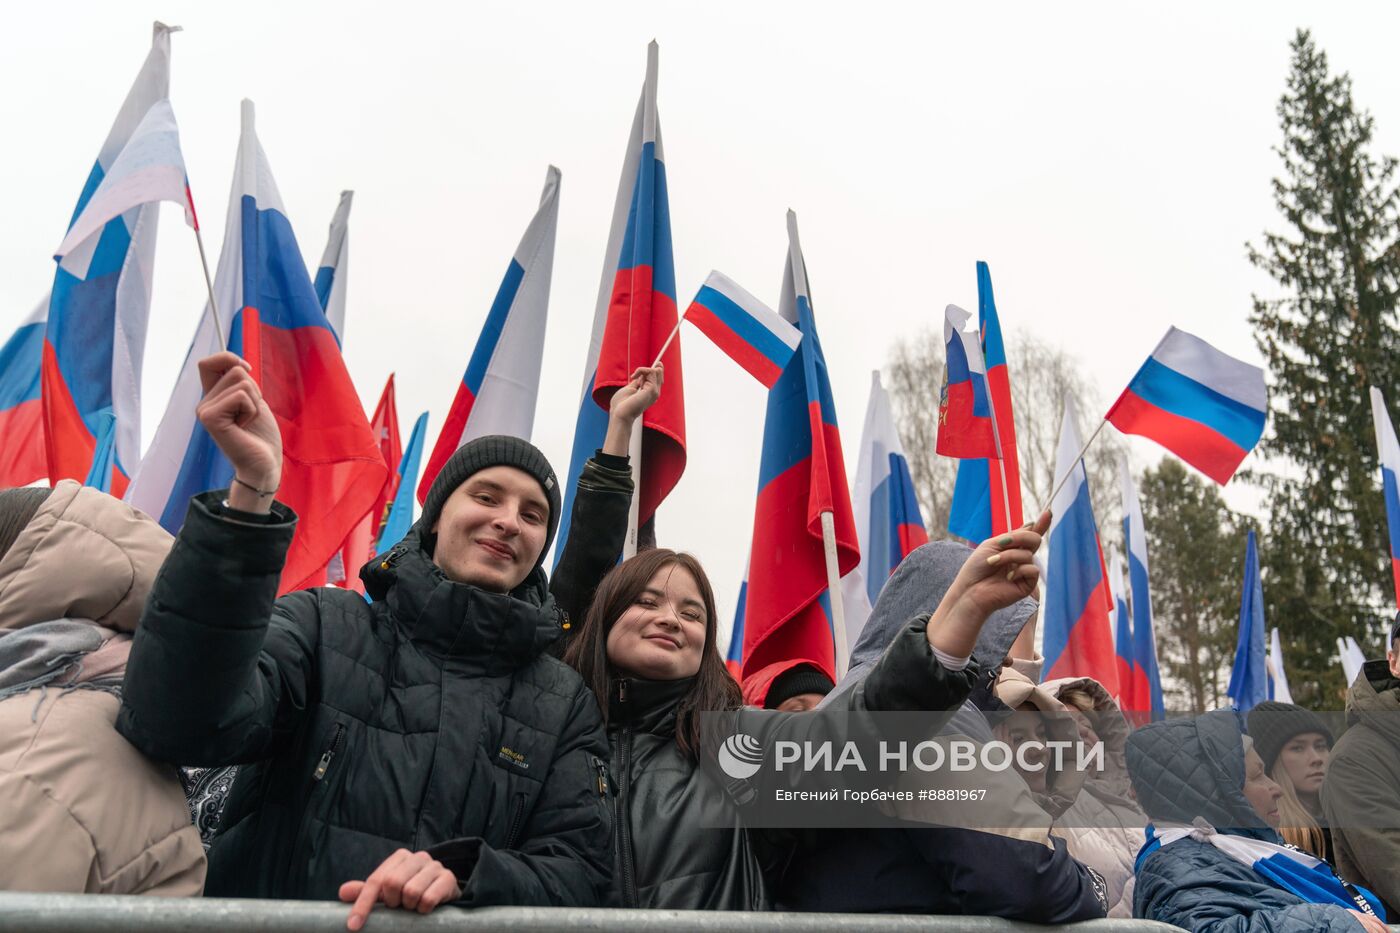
804	678
480	454
1273	724
1394	630
17	508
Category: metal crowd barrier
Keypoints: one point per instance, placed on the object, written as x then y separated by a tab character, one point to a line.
93	913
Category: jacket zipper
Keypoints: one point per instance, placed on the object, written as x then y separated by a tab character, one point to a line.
517	817
329	753
622	831
601	767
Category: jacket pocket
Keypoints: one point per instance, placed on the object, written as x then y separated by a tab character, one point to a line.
516	823
600	769
332	749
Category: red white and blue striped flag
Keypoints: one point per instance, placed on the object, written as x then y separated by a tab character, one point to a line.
1078	638
1147	687
96	328
887	515
802	474
636	312
22	457
1389	452
332	276
987	495
332	469
1205	406
964	414
753	334
498	391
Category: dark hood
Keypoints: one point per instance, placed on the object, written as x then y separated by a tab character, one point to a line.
1374	699
916	587
1188	768
495	632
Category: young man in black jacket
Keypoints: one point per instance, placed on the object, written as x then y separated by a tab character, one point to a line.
421	749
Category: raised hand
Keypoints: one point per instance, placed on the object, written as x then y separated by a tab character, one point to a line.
240	422
1000	572
627	405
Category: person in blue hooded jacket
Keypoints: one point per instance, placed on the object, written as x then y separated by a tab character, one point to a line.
1011	867
1213	859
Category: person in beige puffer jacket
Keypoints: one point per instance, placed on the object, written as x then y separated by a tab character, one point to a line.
1093	811
84	811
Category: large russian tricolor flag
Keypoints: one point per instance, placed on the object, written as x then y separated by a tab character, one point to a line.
636	312
964	415
96	329
1204	406
753	334
1147	688
980	508
497	393
332	276
1122	636
332	469
1389	452
888	522
22	456
802	475
1078	639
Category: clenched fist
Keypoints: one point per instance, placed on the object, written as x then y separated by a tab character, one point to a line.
239	420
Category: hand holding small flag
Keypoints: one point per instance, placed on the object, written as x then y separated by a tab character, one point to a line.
1000	572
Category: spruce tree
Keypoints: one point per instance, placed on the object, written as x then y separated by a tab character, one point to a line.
1196	553
1328	336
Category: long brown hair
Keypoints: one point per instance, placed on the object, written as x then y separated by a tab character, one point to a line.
1296	825
713	690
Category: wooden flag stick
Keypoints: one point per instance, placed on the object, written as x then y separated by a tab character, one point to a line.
634	452
833	591
667	345
204	262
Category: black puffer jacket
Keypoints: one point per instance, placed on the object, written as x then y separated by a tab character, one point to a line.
431	717
665	855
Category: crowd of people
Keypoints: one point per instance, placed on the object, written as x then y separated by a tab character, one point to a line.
476	733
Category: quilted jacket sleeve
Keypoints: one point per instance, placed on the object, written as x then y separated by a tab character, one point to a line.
1202	891
220	670
909	677
565	856
597	528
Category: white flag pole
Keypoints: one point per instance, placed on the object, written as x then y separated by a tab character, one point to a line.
996	436
208	282
833	589
1061	482
634	452
667	345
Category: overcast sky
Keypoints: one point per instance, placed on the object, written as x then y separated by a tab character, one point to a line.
1108	160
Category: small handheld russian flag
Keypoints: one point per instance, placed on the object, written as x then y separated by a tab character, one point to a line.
1203	405
753	334
964	415
1390	471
